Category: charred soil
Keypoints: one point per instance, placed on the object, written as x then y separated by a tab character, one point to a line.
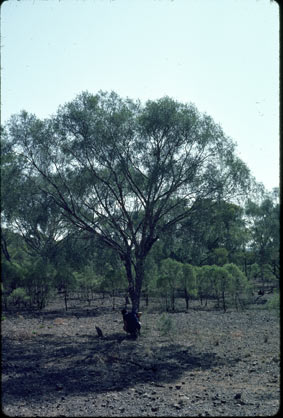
202	362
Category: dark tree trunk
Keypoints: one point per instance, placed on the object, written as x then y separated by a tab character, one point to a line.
245	267
146	298
113	300
135	270
173	300
5	249
135	279
66	299
187	299
223	301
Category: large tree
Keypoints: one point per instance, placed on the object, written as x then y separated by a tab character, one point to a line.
127	173
263	219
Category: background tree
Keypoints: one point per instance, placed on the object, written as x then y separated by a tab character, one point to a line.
263	219
27	271
127	173
188	282
151	274
203	282
216	225
221	282
169	278
113	281
219	256
88	283
240	287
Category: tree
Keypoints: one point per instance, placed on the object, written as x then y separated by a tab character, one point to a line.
188	282
240	288
127	173
13	277
151	275
263	218
221	282
203	283
39	280
169	278
219	256
29	272
112	281
214	281
87	283
217	229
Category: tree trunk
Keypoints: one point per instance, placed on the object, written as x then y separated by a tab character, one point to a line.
146	298
262	276
173	300
135	281
66	299
166	303
113	299
223	301
245	267
187	299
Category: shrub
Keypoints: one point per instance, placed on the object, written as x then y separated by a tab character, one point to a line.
188	282
241	288
18	297
203	283
168	280
166	325
274	303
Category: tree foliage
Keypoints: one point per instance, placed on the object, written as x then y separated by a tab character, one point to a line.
125	173
263	219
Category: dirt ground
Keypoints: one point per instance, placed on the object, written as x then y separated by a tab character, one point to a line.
198	363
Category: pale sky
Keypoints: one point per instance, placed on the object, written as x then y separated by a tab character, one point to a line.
221	55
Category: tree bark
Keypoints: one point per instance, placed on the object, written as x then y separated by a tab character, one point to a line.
135	280
146	298
223	301
173	300
187	299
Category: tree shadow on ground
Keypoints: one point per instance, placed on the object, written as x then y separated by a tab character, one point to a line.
52	366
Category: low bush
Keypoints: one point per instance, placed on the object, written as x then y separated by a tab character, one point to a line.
166	325
18	297
274	303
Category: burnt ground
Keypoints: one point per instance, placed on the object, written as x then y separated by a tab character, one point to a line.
207	363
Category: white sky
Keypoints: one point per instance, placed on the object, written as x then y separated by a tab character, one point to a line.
221	55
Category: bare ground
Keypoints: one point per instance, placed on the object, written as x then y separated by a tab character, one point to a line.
208	364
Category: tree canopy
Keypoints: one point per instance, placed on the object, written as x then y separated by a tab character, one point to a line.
121	171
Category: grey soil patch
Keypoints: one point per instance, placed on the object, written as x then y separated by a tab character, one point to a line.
209	364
